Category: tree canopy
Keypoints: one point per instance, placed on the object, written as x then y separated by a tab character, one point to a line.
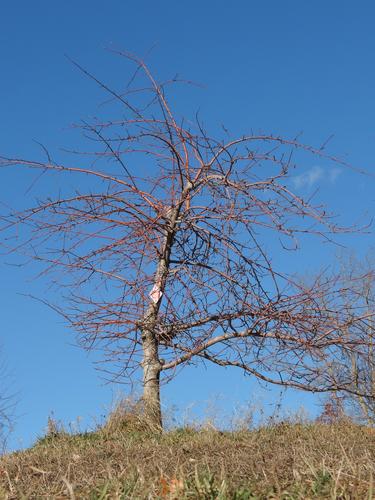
162	248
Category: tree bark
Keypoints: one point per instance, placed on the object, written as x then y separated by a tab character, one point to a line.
151	381
152	366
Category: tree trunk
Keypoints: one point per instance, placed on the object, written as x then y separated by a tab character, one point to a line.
151	382
151	362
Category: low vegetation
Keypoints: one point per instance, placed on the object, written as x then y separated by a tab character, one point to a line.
124	459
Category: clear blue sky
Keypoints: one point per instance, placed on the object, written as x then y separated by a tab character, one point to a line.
282	67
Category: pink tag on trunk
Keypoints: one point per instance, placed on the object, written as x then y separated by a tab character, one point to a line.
155	294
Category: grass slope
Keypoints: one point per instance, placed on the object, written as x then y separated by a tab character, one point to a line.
284	461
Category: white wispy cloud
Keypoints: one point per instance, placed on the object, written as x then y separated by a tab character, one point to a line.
334	174
315	175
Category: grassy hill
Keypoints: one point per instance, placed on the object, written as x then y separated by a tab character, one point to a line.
125	460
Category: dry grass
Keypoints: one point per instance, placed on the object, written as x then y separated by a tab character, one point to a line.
125	460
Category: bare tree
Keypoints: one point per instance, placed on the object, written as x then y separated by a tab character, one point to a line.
7	407
164	245
359	365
